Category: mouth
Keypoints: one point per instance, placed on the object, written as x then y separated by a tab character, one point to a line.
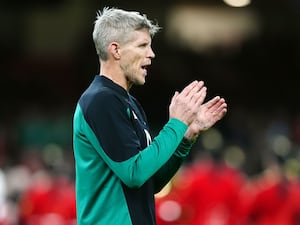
145	67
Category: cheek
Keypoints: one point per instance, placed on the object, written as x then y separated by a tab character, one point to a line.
132	62
136	62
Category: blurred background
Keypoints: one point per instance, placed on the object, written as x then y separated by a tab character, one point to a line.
247	52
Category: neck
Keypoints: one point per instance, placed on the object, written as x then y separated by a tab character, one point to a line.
115	74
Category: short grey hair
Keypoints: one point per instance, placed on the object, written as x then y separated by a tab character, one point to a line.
114	24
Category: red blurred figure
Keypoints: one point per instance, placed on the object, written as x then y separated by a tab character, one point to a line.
48	201
295	201
277	200
210	194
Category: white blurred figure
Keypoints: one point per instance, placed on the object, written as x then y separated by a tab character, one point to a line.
17	179
4	216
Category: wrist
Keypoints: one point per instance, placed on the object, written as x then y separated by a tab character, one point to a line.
190	139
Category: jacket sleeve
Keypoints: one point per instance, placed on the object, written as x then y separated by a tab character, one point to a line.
112	135
169	169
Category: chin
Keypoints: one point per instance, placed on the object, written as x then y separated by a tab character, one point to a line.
140	82
144	81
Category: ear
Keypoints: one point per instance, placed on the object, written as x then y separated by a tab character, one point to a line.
114	50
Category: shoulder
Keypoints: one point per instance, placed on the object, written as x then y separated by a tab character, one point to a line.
102	101
99	95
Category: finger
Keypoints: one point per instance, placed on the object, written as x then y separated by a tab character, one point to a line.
197	94
200	96
191	90
175	95
173	99
220	111
212	102
217	105
188	88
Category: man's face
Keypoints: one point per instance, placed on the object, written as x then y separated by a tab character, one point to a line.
136	56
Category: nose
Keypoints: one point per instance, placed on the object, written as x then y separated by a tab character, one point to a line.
151	53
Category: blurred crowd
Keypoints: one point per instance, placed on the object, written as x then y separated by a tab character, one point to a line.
34	192
206	191
211	192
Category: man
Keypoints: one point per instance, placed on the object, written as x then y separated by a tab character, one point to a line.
119	167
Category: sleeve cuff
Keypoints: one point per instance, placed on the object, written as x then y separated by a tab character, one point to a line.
184	148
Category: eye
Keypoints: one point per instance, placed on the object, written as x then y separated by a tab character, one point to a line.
144	45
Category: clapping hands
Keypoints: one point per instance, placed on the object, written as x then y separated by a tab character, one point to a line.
189	107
